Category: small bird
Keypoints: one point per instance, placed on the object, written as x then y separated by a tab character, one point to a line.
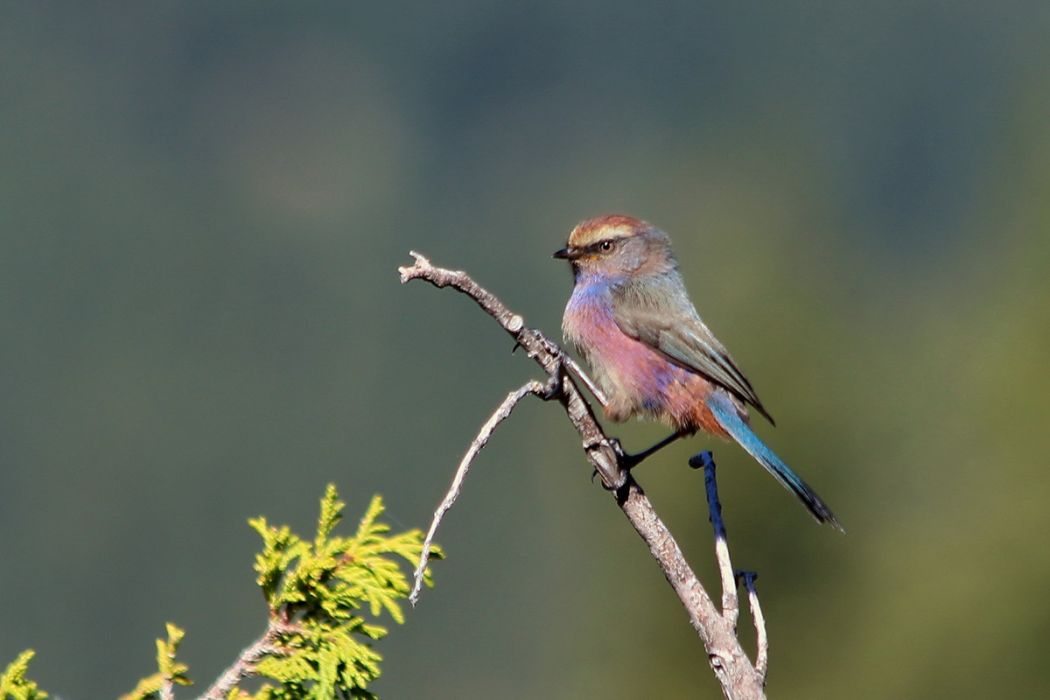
631	320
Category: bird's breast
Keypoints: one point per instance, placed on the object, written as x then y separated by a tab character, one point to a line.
635	377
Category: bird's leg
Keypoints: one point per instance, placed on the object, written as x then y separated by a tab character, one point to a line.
632	461
571	366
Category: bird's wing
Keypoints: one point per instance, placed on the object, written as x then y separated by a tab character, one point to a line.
682	337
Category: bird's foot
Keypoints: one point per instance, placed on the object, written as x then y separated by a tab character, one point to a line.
554	387
621	456
627	461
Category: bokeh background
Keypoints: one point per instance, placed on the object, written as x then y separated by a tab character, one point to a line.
202	206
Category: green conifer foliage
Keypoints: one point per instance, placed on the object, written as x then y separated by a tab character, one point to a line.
324	599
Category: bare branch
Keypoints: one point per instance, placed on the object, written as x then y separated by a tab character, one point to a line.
545	353
762	641
733	669
244	666
730	603
501	414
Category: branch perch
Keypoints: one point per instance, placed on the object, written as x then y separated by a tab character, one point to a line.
740	680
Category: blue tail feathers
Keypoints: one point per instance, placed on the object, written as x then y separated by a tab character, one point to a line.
726	414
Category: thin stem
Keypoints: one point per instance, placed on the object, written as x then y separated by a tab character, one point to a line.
498	416
761	640
730	603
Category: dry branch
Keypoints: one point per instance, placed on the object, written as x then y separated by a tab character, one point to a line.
730	603
244	666
761	640
738	677
501	414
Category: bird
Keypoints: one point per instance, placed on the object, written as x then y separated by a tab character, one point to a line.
631	320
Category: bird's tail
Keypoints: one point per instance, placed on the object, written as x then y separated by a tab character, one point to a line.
726	414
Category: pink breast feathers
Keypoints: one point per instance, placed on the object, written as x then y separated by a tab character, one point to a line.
636	378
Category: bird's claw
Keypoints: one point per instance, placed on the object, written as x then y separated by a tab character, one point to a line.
616	446
610	442
553	388
627	461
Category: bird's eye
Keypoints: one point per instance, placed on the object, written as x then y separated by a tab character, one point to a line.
605	246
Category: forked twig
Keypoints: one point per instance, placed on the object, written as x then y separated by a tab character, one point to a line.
730	603
499	415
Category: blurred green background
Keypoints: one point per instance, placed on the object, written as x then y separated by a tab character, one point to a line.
202	206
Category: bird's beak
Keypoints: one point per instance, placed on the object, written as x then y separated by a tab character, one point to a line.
565	253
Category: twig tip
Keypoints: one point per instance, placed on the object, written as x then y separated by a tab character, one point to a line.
701	460
412	271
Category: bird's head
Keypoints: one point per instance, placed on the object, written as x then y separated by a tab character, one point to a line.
617	247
